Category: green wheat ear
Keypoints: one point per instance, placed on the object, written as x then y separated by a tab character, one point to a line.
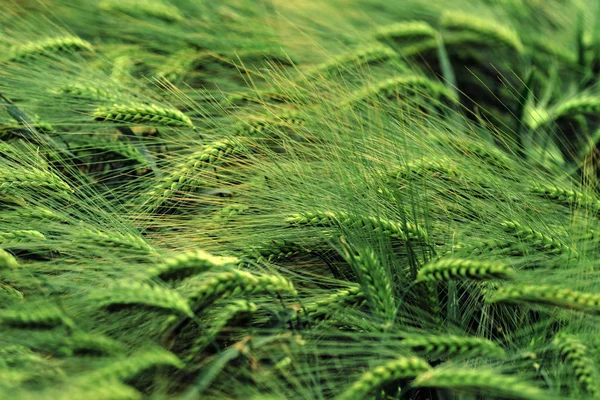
434	347
402	86
141	295
190	263
372	54
447	269
453	21
86	92
584	105
535	238
566	197
375	281
7	260
142	114
342	299
404	367
127	369
397	230
205	289
406	31
480	381
52	46
547	295
35	316
143	8
576	356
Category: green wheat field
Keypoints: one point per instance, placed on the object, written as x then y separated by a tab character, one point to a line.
299	199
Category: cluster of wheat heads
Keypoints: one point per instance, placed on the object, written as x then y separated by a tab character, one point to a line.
262	199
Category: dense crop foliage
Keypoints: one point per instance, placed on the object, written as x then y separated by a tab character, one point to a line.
274	199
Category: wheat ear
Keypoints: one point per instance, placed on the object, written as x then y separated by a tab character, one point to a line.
142	114
576	355
342	299
205	289
141	295
404	367
190	263
143	8
7	260
134	365
402	86
13	180
403	231
365	55
435	347
189	171
46	316
548	295
535	238
375	281
566	197
48	47
461	22
460	269
479	380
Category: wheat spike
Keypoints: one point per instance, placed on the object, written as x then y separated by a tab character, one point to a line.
535	238
143	8
576	356
365	55
392	229
189	172
131	367
142	295
24	236
33	316
375	281
434	347
223	317
342	299
48	47
501	34
142	114
190	263
86	92
205	289
115	239
13	180
409	30
583	105
404	367
401	87
458	268
479	380
7	260
548	295
566	197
